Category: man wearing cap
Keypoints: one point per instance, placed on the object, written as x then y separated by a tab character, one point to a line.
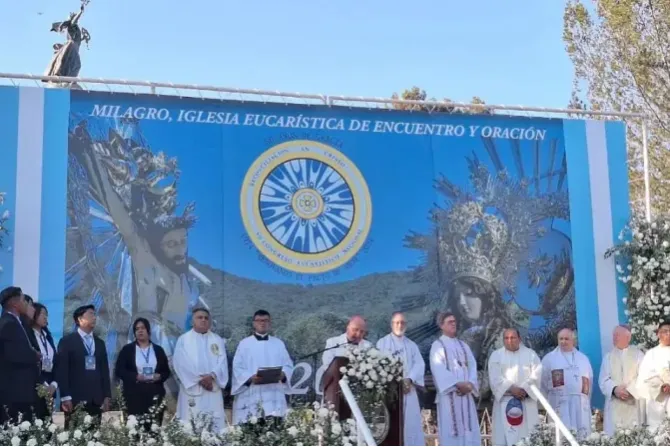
82	368
19	362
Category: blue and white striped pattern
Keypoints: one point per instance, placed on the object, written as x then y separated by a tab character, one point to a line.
599	209
33	173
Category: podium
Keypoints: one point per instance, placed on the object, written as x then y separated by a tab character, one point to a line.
392	433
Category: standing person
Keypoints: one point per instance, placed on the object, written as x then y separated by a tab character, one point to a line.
260	350
618	377
512	370
653	378
82	369
353	337
201	365
143	368
39	328
567	378
454	371
414	369
19	361
27	321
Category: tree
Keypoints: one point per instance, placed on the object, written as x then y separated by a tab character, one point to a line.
619	49
417	94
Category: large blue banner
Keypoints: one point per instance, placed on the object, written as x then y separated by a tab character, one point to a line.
153	205
315	214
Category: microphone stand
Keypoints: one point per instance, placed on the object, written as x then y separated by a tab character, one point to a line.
321	351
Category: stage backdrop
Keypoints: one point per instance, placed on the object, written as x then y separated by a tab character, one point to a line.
148	206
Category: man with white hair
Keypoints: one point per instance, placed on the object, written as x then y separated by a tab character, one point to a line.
414	367
353	337
618	375
653	379
513	369
567	378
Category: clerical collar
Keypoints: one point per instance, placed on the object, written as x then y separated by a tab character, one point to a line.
352	342
399	337
260	337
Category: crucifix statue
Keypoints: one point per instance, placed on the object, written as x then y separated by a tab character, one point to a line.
66	61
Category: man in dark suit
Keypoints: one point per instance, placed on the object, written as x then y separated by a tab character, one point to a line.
27	321
82	369
19	361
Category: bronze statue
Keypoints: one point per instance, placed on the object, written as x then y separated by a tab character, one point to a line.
66	61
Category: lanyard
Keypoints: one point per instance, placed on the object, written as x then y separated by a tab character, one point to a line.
89	346
43	339
146	357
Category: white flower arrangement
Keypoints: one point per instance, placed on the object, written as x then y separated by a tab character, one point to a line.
370	374
313	424
643	264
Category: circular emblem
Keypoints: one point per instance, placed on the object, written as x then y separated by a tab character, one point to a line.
379	421
215	349
306	206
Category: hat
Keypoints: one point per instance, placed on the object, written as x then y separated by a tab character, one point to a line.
81	311
9	293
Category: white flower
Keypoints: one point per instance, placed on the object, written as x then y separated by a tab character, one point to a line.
77	434
16	440
25	425
31	441
337	428
38	423
293	431
88	419
53	428
253	420
63	436
132	421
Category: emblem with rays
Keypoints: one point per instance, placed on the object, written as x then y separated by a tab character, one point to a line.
499	253
122	199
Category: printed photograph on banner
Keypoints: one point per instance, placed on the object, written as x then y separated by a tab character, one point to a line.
315	214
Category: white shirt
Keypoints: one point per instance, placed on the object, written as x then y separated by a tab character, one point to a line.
145	357
89	341
46	350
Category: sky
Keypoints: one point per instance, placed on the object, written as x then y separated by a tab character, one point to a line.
506	52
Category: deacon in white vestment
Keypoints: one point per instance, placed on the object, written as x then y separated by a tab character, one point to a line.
567	378
618	377
653	379
352	338
512	370
414	367
260	350
454	372
201	366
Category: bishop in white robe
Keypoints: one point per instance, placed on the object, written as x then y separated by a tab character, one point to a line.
414	367
512	370
354	337
567	378
454	372
260	350
618	377
201	366
653	379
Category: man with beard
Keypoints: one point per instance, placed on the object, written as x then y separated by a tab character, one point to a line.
158	247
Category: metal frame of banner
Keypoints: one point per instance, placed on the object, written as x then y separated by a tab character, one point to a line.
258	95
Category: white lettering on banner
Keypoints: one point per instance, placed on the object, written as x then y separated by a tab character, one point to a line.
275	121
307	374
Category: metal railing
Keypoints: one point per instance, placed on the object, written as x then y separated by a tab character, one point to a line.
361	425
560	426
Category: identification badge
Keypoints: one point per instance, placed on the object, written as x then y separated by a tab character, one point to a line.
90	363
147	371
47	365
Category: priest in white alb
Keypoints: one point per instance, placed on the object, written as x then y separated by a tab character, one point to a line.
352	338
653	379
512	370
454	372
567	378
260	350
397	344
201	366
618	377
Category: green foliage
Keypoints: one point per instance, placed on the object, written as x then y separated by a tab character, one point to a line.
417	94
619	49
